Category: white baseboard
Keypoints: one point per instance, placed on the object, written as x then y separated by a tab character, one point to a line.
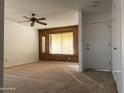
18	63
103	70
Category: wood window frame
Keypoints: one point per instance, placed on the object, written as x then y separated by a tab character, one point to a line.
58	57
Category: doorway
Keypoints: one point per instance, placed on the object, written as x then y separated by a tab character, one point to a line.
97	46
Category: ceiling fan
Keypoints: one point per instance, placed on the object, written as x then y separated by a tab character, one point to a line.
34	20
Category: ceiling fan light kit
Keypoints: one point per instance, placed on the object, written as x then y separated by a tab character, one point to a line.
34	20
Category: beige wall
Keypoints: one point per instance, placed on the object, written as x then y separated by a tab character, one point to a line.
20	44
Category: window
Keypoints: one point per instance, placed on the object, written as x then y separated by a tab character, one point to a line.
43	44
61	43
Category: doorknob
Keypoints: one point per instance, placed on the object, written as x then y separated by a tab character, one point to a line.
115	48
87	48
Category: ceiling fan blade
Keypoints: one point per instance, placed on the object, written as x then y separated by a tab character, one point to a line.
32	23
42	23
22	21
43	18
26	17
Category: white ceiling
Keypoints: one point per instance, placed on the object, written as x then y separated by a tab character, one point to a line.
57	12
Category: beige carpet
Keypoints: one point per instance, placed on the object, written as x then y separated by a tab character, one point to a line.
53	77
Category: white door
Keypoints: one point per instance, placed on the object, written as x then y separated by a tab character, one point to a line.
97	46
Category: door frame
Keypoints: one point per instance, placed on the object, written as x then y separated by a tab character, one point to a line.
110	43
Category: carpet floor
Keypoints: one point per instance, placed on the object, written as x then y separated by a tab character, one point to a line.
56	77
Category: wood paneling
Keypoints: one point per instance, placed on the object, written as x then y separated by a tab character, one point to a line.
58	57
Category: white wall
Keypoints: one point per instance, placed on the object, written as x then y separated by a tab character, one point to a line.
60	20
122	40
116	43
97	17
20	44
81	40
